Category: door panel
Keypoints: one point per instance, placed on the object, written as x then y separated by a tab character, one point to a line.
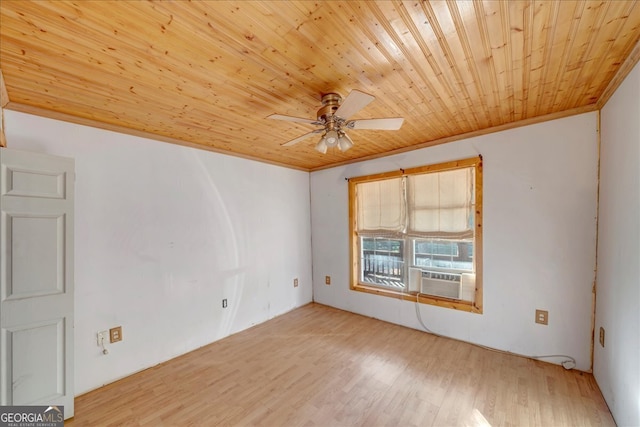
21	182
37	373
35	238
36	279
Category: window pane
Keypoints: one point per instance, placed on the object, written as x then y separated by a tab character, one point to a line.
382	262
443	254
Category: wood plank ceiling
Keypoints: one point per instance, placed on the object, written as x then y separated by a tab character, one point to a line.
207	73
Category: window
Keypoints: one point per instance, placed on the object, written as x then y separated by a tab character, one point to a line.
416	234
383	261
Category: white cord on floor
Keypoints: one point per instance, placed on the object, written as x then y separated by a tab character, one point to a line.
570	360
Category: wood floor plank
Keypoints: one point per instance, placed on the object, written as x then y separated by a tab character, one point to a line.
319	366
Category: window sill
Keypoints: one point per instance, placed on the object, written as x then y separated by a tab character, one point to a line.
421	298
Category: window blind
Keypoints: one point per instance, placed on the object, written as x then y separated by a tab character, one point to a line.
440	204
436	204
381	207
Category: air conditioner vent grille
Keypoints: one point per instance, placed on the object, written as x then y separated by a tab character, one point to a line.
439	275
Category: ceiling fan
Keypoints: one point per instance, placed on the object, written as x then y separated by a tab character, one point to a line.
333	119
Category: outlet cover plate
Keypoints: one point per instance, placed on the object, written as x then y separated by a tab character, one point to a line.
542	317
115	334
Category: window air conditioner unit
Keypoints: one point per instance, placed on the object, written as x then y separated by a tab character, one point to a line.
437	283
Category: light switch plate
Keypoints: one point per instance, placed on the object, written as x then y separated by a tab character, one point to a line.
102	337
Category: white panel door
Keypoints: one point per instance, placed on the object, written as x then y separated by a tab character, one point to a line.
36	279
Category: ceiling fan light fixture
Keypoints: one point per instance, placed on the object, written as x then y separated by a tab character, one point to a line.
331	138
344	142
322	145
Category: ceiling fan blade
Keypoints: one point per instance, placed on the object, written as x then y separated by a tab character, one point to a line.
300	138
293	119
353	103
378	124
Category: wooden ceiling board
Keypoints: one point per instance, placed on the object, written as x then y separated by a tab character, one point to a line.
207	73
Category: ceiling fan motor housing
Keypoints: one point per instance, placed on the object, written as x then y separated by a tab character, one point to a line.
330	103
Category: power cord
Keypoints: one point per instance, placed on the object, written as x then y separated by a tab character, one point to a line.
568	364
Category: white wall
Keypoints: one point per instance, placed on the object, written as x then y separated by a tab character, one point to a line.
163	234
540	186
617	365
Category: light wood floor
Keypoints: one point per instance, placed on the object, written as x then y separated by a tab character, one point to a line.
318	366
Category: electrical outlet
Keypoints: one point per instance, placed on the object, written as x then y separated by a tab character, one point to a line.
327	280
295	282
224	303
601	336
542	317
115	334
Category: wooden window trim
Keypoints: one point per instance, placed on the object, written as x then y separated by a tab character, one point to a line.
355	284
